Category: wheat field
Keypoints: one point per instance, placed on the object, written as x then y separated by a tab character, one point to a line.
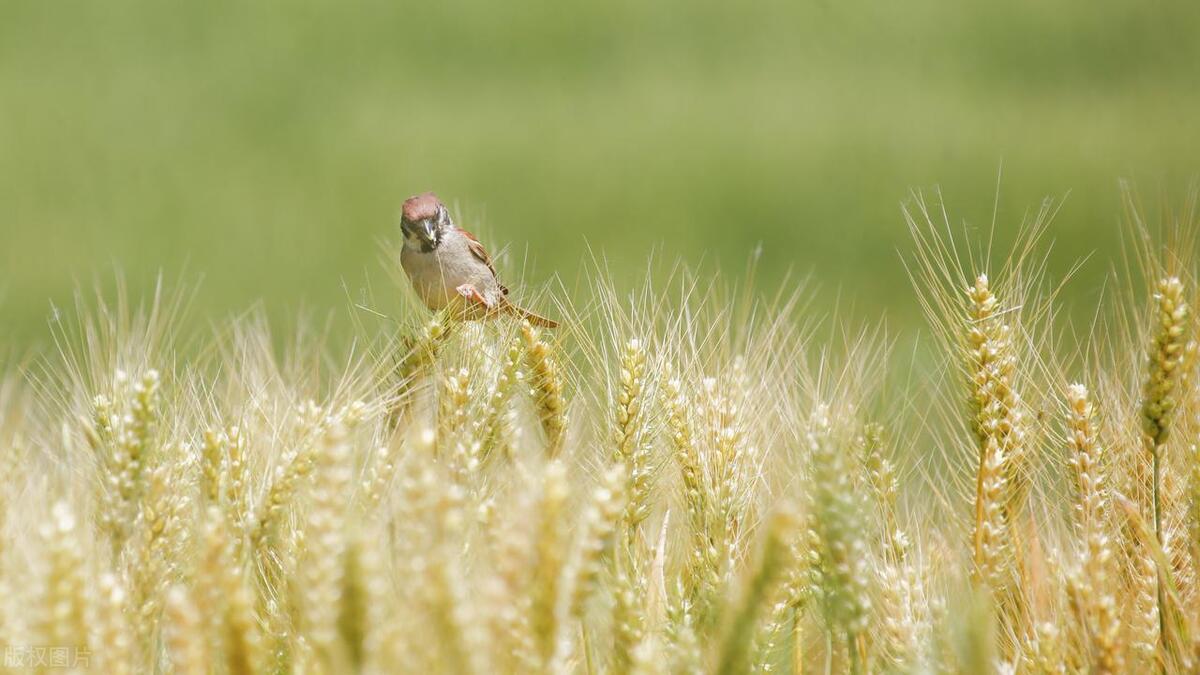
689	476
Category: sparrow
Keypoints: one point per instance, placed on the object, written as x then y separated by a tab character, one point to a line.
446	264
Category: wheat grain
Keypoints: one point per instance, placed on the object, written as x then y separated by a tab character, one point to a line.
632	448
67	603
546	388
113	630
840	528
998	426
1091	516
184	634
326	543
491	429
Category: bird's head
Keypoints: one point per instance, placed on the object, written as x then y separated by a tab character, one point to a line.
424	220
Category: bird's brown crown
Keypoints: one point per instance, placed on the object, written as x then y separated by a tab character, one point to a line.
420	207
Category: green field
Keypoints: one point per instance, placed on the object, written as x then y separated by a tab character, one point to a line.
265	147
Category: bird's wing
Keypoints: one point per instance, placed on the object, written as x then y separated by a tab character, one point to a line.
481	253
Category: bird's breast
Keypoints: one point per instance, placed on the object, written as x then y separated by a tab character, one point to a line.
436	275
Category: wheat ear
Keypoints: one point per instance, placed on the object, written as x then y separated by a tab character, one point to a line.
546	388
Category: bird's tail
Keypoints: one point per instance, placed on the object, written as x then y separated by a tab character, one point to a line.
535	319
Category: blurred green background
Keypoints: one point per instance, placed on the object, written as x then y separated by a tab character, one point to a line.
266	146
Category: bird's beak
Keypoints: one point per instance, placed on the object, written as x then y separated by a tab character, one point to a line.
423	233
427	230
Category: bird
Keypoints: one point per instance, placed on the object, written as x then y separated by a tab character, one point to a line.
447	266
